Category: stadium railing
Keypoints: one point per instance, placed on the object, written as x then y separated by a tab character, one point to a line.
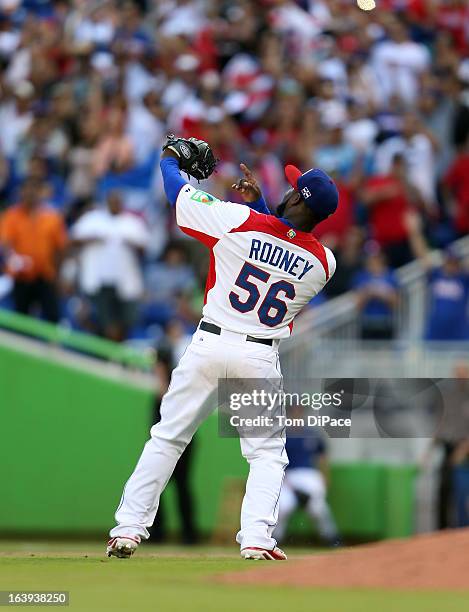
326	338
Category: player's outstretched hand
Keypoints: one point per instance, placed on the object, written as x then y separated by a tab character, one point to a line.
248	187
195	156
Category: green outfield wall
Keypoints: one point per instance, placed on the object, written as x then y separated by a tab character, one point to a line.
70	436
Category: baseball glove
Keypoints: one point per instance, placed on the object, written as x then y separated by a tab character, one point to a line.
195	156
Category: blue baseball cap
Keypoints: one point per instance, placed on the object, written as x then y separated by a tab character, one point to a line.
316	188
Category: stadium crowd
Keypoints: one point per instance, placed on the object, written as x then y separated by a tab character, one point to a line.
88	91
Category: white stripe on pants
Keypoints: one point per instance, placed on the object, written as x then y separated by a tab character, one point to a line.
191	397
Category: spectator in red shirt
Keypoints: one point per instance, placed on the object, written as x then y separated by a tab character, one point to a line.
456	184
389	198
453	16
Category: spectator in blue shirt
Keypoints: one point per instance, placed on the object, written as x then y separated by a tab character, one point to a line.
335	155
448	290
377	296
448	294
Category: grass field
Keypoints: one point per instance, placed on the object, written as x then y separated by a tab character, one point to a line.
174	579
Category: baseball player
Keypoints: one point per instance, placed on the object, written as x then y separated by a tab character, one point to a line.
305	482
263	270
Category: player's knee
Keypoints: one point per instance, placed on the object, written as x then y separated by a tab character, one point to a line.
174	444
268	458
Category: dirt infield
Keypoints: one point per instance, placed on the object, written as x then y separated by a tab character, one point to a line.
432	561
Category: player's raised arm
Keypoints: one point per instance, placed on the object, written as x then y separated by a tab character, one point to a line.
172	179
198	213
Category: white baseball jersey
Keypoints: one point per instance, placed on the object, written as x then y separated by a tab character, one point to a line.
262	272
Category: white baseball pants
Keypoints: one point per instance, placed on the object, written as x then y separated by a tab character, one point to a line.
191	397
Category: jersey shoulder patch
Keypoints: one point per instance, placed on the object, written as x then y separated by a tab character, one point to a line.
203	197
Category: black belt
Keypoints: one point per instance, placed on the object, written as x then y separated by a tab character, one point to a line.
214	329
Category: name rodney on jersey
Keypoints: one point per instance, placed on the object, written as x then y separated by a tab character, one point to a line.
281	258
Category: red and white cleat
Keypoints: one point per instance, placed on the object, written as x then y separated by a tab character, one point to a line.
262	554
122	547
